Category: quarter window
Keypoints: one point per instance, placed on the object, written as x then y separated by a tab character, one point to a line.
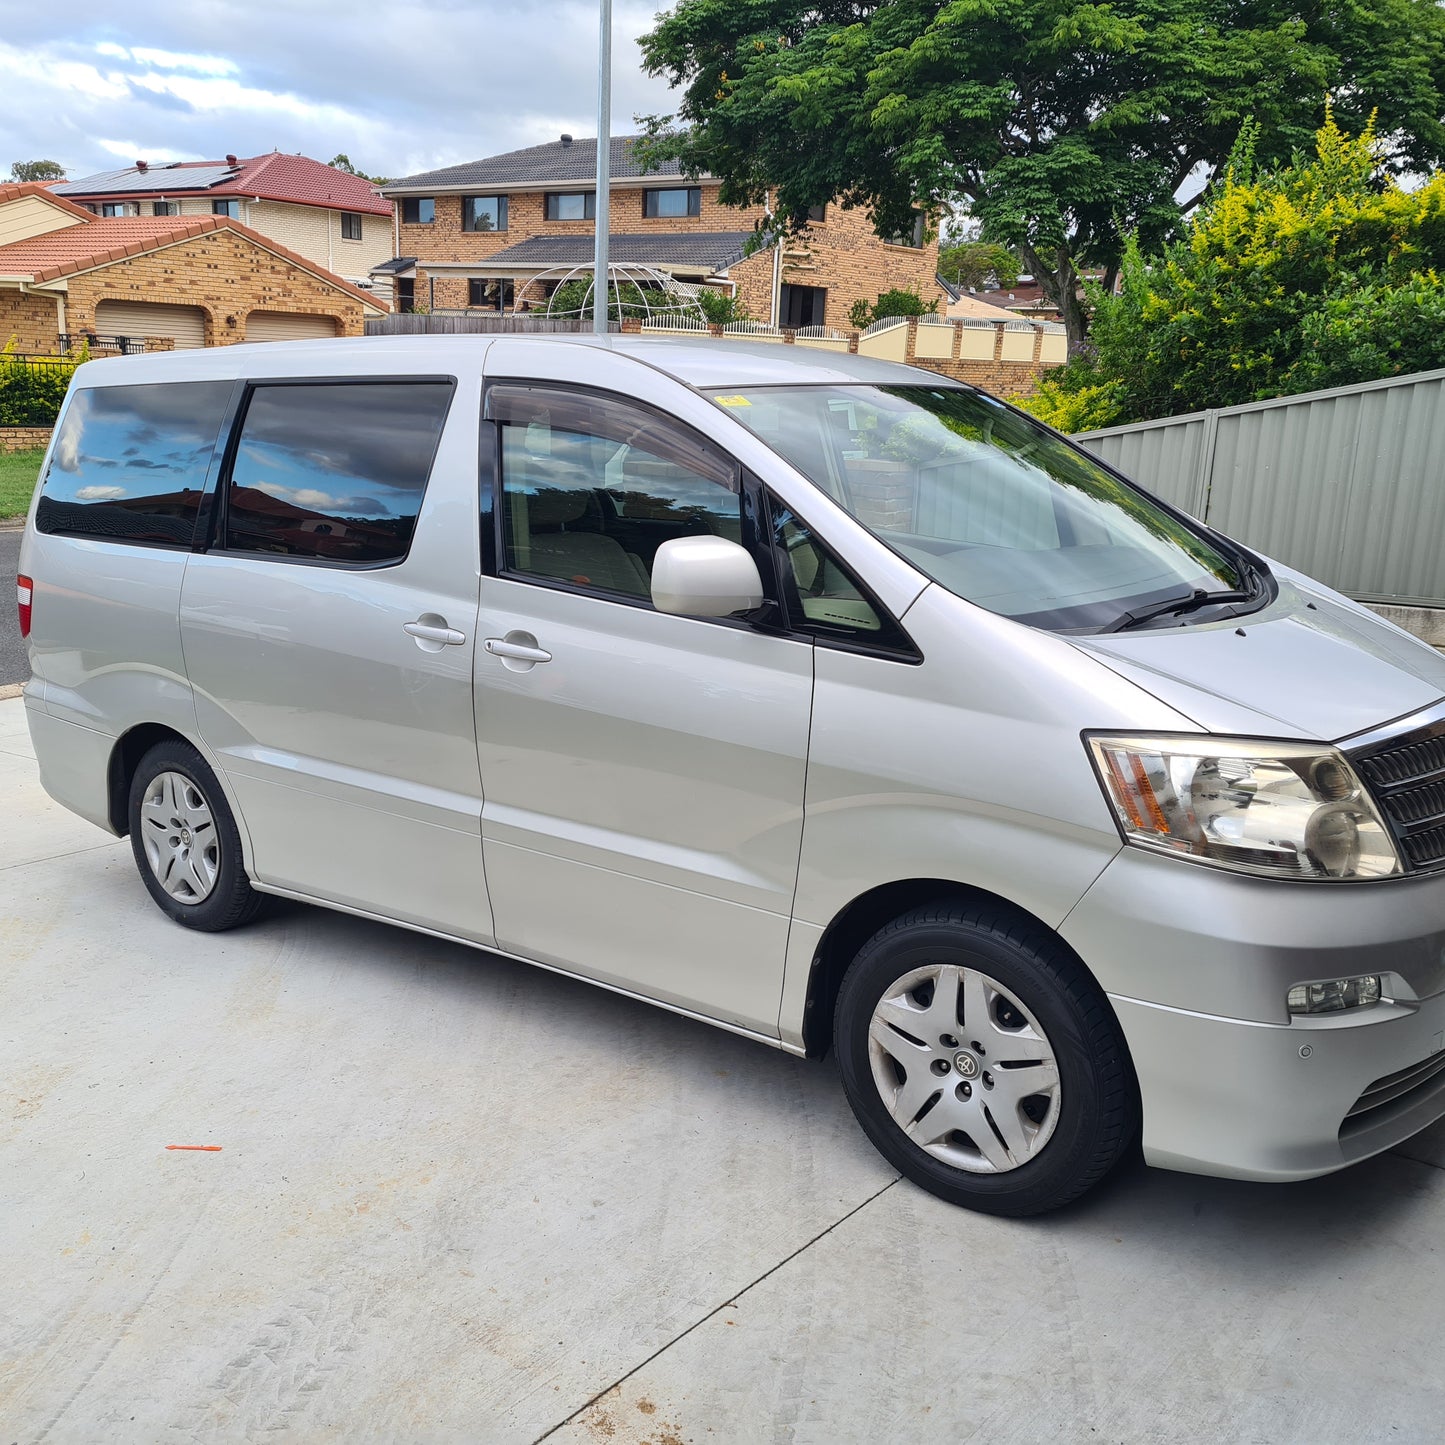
484	213
335	472
593	486
419	210
350	226
571	205
674	201
129	463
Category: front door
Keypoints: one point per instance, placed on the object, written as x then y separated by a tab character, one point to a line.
644	772
328	637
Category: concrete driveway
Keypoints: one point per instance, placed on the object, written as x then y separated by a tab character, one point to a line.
457	1199
14	668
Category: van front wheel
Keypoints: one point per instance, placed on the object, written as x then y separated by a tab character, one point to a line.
185	841
982	1062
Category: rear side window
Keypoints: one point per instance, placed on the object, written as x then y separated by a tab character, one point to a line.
334	471
129	462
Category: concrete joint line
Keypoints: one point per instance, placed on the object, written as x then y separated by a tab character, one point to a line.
713	1313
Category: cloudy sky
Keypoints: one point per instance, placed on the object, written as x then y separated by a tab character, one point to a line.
97	84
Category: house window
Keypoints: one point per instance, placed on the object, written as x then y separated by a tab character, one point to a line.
117	208
350	226
494	295
817	214
226	208
571	205
801	306
418	210
406	293
913	237
165	208
484	213
675	201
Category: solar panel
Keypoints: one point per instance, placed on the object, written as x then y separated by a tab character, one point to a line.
166	179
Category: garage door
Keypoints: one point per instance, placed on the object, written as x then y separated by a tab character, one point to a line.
287	326
186	325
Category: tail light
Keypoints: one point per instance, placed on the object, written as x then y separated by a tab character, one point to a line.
24	588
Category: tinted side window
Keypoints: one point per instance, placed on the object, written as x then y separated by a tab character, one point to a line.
334	471
592	487
130	462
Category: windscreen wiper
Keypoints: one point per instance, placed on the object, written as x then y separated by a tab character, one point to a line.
1175	606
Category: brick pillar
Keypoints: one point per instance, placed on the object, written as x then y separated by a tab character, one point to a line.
1038	344
910	346
998	327
790	338
631	326
956	350
715	329
852	343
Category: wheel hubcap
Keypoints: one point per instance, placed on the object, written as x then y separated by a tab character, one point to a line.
964	1069
179	837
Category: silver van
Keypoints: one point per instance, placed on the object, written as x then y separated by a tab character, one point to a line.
821	699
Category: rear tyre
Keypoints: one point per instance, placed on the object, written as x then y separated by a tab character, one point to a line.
982	1061
186	843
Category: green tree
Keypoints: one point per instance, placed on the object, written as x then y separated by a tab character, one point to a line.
973	264
1319	273
342	162
1063	125
36	171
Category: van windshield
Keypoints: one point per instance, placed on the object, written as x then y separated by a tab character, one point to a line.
995	507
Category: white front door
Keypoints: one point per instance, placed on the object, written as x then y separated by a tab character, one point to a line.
643	772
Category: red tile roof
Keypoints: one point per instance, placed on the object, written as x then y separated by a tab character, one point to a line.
114	238
273	177
15	190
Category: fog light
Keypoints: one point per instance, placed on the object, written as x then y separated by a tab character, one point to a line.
1334	995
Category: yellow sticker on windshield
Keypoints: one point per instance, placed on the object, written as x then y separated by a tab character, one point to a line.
732	401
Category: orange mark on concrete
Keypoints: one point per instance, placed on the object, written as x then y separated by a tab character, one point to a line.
203	1148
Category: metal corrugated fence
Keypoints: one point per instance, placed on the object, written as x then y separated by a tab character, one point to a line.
1347	485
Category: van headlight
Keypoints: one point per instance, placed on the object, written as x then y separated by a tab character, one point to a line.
1283	810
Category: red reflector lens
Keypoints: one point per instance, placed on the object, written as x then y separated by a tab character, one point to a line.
24	587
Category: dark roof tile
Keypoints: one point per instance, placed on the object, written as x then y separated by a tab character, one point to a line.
551	162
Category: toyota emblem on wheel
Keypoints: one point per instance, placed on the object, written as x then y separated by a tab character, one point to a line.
966	1064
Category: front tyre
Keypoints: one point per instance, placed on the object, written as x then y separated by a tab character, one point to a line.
982	1061
185	841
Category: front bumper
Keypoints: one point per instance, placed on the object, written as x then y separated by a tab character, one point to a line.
1197	963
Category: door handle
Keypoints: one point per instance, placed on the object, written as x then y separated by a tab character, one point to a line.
501	647
430	632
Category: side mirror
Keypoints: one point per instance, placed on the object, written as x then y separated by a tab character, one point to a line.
705	577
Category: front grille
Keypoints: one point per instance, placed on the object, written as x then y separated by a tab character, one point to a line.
1406	773
1398	1087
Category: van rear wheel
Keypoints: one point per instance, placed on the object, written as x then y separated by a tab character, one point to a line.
186	843
982	1061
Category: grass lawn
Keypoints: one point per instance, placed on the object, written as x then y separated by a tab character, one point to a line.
18	471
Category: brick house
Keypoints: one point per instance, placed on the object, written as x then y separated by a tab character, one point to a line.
473	236
68	275
333	219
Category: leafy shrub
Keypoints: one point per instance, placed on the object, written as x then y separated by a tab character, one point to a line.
719	308
896	302
1321	273
31	392
574	299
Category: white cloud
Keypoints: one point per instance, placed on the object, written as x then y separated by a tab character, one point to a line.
459	80
99	494
169	60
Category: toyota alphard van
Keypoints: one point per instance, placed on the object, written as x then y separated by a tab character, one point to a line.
825	700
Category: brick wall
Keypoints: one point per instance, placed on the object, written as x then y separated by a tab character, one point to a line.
224	274
33	322
23	438
311	231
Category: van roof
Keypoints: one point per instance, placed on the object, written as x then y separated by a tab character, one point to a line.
705	362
